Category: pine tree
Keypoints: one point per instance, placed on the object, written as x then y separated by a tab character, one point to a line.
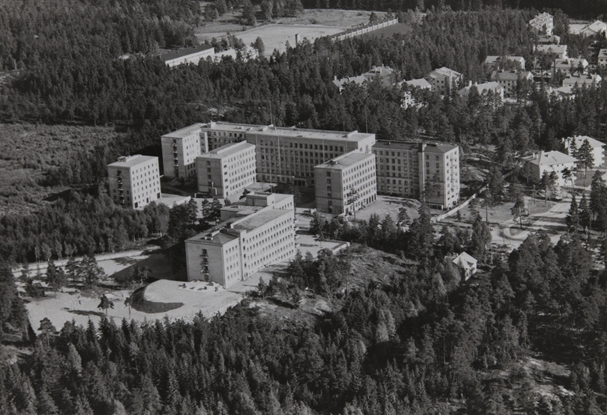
584	210
573	219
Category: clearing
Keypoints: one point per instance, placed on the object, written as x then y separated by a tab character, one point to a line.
312	24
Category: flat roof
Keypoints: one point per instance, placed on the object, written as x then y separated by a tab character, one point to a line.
345	160
132	161
410	145
261	218
227	150
184	131
184	52
219	235
289	131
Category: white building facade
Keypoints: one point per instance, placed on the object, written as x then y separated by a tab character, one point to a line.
134	181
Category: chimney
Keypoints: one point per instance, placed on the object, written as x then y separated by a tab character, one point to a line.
296	39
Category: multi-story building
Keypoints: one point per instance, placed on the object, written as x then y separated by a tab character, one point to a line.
180	149
551	161
241	246
580	80
227	170
570	66
560	51
443	79
134	180
510	80
346	183
384	74
483	89
572	144
494	61
429	172
595	28
602	57
542	23
288	155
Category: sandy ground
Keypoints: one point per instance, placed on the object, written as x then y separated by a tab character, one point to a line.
385	205
66	306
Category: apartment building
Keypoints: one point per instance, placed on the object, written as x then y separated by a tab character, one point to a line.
551	161
346	183
483	89
542	23
134	181
559	50
227	170
602	57
572	144
581	80
427	172
510	80
443	79
288	155
494	61
241	246
180	149
570	66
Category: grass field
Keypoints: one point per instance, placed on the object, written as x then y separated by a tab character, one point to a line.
313	23
389	31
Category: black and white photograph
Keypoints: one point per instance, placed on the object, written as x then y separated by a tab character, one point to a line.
303	207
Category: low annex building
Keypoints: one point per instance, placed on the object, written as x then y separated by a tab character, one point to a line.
483	89
346	183
188	55
428	172
559	50
551	161
242	245
227	170
134	181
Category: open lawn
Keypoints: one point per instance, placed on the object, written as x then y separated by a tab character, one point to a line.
311	24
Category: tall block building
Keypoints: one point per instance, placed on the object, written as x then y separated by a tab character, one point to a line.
427	172
444	79
180	149
227	170
346	183
243	245
134	181
288	155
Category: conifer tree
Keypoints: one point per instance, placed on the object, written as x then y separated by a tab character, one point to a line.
573	218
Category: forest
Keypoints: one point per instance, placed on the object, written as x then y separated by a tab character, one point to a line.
418	341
